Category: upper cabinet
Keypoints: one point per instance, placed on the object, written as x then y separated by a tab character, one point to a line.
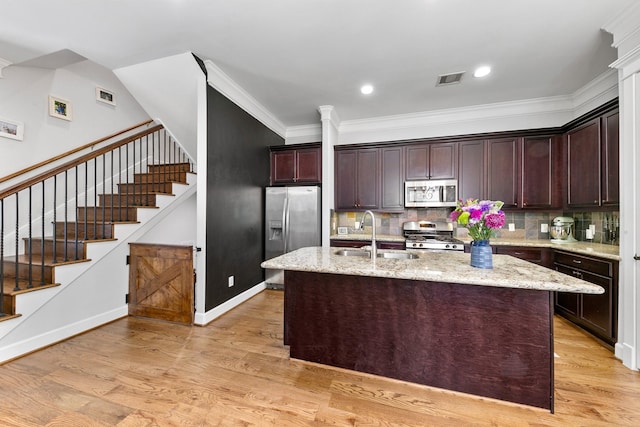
503	170
610	159
300	164
392	182
471	170
592	162
430	161
356	179
541	186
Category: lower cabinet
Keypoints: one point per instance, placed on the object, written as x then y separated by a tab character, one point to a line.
596	313
360	243
540	256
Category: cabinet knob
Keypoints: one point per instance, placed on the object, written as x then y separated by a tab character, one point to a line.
577	261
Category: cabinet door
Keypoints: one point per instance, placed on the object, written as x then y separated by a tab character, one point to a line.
583	165
283	166
610	159
392	185
502	171
538	172
417	162
309	165
567	302
471	170
345	177
442	161
597	308
367	186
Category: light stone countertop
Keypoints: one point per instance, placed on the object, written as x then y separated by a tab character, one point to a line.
443	266
611	252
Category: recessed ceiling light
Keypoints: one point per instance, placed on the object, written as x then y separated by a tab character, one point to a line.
482	71
366	89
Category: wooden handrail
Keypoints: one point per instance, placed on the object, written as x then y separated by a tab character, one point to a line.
66	166
70	152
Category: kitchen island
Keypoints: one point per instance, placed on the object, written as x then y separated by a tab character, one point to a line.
434	320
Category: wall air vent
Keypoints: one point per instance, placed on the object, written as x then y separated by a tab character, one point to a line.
449	79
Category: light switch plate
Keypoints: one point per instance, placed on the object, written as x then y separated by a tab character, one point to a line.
512	227
544	228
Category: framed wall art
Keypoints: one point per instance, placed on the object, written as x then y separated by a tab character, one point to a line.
105	96
11	129
60	108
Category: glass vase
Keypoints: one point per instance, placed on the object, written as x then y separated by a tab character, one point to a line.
481	254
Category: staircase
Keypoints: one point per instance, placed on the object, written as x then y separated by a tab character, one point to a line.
52	219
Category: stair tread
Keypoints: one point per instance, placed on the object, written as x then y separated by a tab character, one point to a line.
10	283
63	240
37	260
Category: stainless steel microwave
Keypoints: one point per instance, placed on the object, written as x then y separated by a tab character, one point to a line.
432	193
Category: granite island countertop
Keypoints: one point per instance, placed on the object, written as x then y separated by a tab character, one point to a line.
445	266
611	252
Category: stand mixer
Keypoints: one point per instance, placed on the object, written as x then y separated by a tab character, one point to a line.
562	230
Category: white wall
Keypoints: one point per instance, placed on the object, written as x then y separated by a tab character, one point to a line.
24	93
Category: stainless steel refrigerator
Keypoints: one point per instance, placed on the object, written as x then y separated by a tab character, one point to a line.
292	221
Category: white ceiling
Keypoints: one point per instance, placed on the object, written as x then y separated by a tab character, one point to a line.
295	55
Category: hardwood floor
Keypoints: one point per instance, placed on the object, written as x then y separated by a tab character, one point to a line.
236	372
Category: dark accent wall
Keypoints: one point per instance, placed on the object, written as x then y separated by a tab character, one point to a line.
237	173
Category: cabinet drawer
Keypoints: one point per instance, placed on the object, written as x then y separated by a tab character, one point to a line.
527	254
591	265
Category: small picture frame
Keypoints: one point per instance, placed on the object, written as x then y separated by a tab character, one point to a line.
106	96
11	129
60	108
343	230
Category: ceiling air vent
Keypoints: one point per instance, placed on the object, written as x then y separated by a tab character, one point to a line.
449	79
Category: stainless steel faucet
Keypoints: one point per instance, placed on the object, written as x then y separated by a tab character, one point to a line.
374	247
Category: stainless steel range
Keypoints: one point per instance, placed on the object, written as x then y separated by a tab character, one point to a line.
431	235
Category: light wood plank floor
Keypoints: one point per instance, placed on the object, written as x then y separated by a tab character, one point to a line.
236	372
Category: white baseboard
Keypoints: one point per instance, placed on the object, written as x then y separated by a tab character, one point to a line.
204	318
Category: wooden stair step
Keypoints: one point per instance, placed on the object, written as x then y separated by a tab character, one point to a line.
146	188
42	268
75	249
170	167
117	214
130	200
85	230
173	176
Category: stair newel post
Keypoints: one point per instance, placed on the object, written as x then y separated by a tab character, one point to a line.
119	181
65	256
75	223
126	204
17	285
2	255
104	178
86	199
112	179
30	242
42	213
55	215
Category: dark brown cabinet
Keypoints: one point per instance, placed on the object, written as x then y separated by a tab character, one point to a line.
296	165
345	243
610	158
471	175
357	179
541	172
593	162
540	256
431	161
583	165
596	313
502	171
392	185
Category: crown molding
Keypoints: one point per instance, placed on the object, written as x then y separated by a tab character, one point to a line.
303	134
4	63
220	81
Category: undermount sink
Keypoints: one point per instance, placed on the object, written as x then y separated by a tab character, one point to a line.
361	253
397	255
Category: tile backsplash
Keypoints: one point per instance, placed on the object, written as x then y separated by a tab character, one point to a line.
527	225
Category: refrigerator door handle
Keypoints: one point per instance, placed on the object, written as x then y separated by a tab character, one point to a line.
285	224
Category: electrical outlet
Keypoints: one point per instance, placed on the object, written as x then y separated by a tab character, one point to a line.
357	225
544	228
230	281
512	227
